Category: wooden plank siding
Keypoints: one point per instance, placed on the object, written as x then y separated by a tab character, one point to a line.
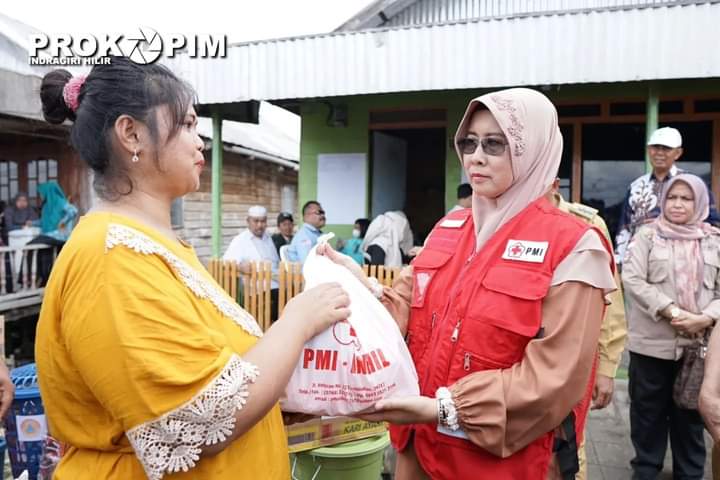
246	182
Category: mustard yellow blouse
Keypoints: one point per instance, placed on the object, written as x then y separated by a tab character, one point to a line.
139	356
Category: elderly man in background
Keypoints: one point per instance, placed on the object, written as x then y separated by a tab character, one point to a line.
256	245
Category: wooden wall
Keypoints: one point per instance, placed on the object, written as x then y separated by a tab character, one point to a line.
246	182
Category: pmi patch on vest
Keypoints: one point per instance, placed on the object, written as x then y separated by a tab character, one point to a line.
525	251
450	223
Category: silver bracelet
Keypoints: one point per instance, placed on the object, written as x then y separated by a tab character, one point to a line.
375	287
447	413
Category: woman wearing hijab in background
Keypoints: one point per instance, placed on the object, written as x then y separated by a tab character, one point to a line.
671	281
57	219
58	215
502	310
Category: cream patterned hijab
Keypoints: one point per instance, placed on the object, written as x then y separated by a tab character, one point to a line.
530	124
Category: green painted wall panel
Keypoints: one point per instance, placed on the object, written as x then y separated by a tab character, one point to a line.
453	166
318	137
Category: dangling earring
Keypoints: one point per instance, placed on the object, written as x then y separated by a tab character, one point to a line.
135	157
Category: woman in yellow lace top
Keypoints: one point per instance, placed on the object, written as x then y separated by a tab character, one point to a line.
146	367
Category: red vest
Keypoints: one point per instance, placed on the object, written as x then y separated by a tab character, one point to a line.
473	312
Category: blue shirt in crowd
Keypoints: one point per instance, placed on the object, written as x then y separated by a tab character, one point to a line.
302	242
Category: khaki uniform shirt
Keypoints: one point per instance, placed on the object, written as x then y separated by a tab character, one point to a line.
614	327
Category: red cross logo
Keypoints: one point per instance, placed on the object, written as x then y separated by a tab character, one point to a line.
516	250
344	334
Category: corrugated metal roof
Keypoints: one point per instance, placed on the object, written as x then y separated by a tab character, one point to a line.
599	46
375	14
19	81
393	13
14	45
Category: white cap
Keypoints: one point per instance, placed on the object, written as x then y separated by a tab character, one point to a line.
257	211
666	136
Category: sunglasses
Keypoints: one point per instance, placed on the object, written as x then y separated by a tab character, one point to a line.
490	145
319	212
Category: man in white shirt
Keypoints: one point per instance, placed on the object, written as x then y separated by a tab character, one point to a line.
256	245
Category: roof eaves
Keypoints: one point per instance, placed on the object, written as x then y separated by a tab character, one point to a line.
375	15
380	29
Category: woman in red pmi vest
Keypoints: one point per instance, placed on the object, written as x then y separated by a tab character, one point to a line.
502	311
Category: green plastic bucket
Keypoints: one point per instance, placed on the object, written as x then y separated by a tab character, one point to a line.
356	460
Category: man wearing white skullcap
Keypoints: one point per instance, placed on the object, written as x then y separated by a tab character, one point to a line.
254	244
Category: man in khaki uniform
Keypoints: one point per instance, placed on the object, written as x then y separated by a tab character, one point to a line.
613	331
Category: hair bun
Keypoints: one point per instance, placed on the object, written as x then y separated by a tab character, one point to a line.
51	94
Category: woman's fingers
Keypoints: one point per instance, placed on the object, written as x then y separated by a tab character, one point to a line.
388	404
341	314
336	296
371	417
327	250
290	418
343	300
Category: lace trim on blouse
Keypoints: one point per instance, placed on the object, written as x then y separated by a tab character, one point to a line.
174	441
196	282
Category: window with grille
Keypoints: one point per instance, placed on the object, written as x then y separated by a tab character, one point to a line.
8	180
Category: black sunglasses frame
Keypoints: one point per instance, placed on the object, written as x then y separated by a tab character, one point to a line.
468	145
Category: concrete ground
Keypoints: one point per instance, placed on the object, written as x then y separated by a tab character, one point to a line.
609	449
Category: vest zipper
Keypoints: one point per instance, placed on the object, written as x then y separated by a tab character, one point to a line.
456	331
432	322
470	258
466	363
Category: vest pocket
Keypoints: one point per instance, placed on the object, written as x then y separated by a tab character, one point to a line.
423	315
475	363
504	315
425	266
511	298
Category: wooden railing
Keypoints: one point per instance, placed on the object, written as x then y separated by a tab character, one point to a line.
253	288
291	282
19	267
20	283
385	275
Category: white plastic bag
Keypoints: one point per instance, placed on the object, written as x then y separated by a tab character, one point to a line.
357	362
